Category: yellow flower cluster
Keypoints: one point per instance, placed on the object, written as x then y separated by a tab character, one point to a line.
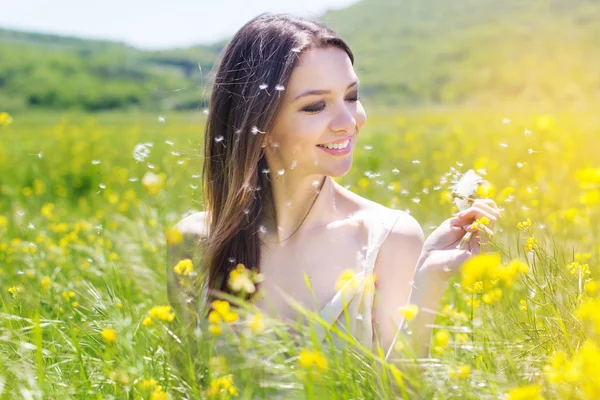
528	392
184	267
5	119
481	273
163	313
460	373
577	377
173	236
530	244
409	312
524	225
312	358
109	335
220	313
575	268
222	387
242	279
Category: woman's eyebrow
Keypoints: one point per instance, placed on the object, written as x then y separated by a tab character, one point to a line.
317	92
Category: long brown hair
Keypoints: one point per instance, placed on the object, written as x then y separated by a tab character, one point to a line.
241	112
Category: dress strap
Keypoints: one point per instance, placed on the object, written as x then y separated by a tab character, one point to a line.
382	226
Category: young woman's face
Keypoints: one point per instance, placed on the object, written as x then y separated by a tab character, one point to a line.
307	121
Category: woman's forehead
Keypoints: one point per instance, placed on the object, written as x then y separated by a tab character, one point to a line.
321	69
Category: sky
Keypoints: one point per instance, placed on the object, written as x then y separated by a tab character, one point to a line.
150	24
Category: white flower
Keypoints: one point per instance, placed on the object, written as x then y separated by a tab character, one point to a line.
466	188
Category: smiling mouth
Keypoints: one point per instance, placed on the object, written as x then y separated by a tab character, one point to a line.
336	146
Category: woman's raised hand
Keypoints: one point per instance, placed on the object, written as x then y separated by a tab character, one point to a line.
440	258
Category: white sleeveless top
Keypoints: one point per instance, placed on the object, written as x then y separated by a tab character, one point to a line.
359	291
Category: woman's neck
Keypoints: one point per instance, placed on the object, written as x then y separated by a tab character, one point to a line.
299	204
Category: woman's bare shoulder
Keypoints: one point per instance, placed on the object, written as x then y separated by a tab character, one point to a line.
195	224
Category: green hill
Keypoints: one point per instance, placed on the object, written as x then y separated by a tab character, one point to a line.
408	53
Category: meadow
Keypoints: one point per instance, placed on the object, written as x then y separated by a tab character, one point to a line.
87	203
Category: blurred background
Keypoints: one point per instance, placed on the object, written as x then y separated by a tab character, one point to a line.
118	55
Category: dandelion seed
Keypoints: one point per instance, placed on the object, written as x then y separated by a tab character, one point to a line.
527	132
520	165
506	121
316	183
416	162
279	88
293	165
281	172
459	163
482	171
296	50
238	131
263	86
169	142
255	130
133	179
395	171
231	259
179	162
262	229
102	186
246	211
98	228
275	144
40	155
416	200
379	182
219	139
425	190
161	118
390	187
266	170
289	204
151	166
437	187
504	145
404	192
194	187
196	176
96	162
175	153
30	226
205	111
367	147
141	151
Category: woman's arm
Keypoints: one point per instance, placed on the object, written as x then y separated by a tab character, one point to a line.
394	272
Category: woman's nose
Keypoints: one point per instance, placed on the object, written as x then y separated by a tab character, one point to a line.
345	120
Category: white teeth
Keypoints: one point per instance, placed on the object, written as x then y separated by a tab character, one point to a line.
342	145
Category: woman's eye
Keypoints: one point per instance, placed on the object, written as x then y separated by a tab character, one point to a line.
317	109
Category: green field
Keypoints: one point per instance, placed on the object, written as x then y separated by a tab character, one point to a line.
82	262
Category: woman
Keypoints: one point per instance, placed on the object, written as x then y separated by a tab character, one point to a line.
284	118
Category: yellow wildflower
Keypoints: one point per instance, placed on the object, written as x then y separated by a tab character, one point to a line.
576	268
5	119
222	386
109	335
159	394
172	236
345	277
461	337
410	311
461	373
215	330
530	244
441	338
3	221
310	358
522	305
163	313
147	384
184	267
46	282
240	280
257	325
591	287
528	392
16	289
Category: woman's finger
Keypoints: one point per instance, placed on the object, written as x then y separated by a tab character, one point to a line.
475	244
488	208
473	213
